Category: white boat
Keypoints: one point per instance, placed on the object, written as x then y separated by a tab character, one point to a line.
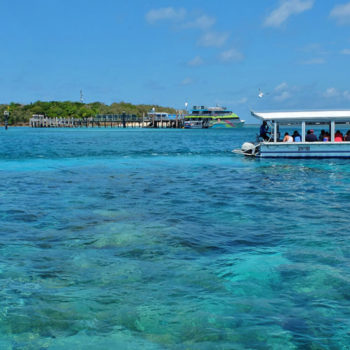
301	121
193	124
212	117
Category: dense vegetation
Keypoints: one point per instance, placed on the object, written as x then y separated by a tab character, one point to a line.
20	114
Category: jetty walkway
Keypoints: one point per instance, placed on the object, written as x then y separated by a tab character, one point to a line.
109	120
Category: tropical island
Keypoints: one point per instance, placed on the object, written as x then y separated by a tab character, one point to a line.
19	114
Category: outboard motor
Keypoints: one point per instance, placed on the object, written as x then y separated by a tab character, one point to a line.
248	149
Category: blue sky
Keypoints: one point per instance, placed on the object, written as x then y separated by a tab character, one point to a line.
168	52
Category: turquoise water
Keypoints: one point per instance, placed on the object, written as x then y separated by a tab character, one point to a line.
164	239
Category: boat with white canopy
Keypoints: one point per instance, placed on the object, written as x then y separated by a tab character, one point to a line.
303	122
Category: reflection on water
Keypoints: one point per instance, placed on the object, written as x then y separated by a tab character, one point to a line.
164	239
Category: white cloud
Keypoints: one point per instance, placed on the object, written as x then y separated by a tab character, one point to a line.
315	49
208	37
231	55
314	54
285	95
312	48
281	87
341	13
196	61
241	101
282	92
316	60
331	92
345	52
285	10
187	81
166	13
213	39
203	22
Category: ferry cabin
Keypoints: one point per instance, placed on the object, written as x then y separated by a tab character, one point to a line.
302	121
201	111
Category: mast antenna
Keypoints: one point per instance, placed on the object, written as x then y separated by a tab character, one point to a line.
81	96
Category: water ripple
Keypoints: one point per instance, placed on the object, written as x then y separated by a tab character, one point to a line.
163	239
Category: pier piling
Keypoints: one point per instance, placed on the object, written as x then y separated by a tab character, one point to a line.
104	120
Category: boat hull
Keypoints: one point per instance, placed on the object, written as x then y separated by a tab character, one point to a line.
305	150
226	123
193	125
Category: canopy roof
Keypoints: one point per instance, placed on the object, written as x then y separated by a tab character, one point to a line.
308	116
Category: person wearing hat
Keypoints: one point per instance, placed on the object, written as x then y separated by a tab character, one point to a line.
310	136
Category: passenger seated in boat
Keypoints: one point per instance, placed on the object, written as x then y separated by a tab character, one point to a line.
310	137
326	137
264	131
321	137
338	137
287	138
347	136
296	136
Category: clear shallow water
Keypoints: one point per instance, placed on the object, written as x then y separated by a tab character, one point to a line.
164	239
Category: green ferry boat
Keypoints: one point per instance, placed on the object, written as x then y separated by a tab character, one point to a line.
202	117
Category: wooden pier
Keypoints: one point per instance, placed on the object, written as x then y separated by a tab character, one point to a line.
109	120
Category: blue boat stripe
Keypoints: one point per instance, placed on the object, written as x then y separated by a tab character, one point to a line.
309	157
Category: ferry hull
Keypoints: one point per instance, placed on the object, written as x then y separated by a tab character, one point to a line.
223	124
305	150
193	127
193	124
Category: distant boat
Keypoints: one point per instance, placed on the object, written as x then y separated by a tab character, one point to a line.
202	117
193	124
